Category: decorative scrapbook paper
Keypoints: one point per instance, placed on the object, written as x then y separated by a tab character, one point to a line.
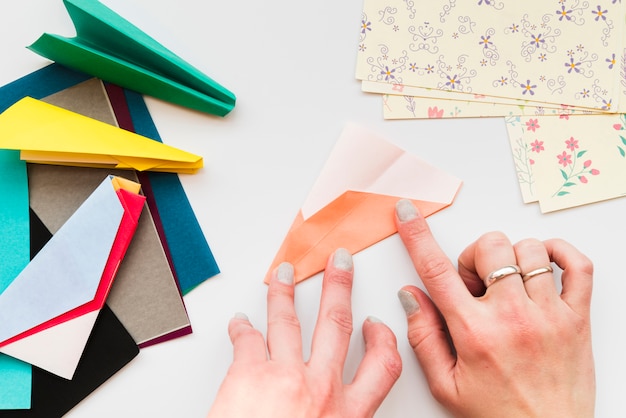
569	161
352	202
15	376
411	107
108	350
559	52
429	93
64	141
109	47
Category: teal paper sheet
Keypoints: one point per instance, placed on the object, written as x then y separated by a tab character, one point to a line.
15	376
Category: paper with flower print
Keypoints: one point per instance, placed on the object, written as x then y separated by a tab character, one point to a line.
411	107
557	51
568	161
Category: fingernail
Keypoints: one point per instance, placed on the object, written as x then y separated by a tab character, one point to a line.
406	210
241	315
342	259
408	301
374	319
284	273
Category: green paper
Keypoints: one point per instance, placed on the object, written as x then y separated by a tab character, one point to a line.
109	47
15	376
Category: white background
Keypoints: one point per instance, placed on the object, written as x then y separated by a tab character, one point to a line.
291	65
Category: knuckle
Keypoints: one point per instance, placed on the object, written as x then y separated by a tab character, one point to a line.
392	363
529	245
340	278
275	291
341	317
433	267
284	318
493	240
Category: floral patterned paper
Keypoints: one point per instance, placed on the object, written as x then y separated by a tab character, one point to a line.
569	160
552	51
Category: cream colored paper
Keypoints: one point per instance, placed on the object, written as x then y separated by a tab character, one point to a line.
562	162
560	52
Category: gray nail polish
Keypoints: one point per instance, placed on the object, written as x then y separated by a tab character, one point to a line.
405	210
241	315
284	274
408	301
342	259
374	319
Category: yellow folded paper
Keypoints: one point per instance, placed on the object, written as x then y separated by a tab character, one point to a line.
48	134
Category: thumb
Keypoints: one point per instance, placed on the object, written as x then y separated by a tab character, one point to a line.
428	337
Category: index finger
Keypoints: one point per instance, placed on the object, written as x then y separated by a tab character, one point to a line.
441	279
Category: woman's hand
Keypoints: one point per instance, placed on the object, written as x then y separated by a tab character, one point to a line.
283	384
517	348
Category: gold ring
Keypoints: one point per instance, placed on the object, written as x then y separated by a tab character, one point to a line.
536	272
501	273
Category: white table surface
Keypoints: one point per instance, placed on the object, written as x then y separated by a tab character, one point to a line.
292	65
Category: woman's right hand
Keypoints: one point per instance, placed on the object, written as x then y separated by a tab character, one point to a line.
515	348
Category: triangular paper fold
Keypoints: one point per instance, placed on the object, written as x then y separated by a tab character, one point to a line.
109	47
352	203
57	296
58	349
48	134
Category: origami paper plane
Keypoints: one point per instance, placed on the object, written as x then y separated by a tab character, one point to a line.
352	203
109	47
49	310
48	134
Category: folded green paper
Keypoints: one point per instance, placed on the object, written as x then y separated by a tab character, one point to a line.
109	47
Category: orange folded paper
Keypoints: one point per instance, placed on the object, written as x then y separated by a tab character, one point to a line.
353	201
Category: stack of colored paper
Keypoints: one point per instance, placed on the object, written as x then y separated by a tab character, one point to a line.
556	71
444	58
59	338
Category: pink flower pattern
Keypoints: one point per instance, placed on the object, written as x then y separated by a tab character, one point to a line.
571	170
435	113
565	159
571	143
537	146
532	125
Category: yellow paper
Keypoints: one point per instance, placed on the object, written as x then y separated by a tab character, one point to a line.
48	134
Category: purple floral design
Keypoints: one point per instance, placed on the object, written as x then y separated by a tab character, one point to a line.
563	13
611	61
366	26
453	81
572	65
485	41
572	172
528	88
600	14
388	73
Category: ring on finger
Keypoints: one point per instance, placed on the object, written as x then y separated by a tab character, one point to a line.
536	272
500	273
